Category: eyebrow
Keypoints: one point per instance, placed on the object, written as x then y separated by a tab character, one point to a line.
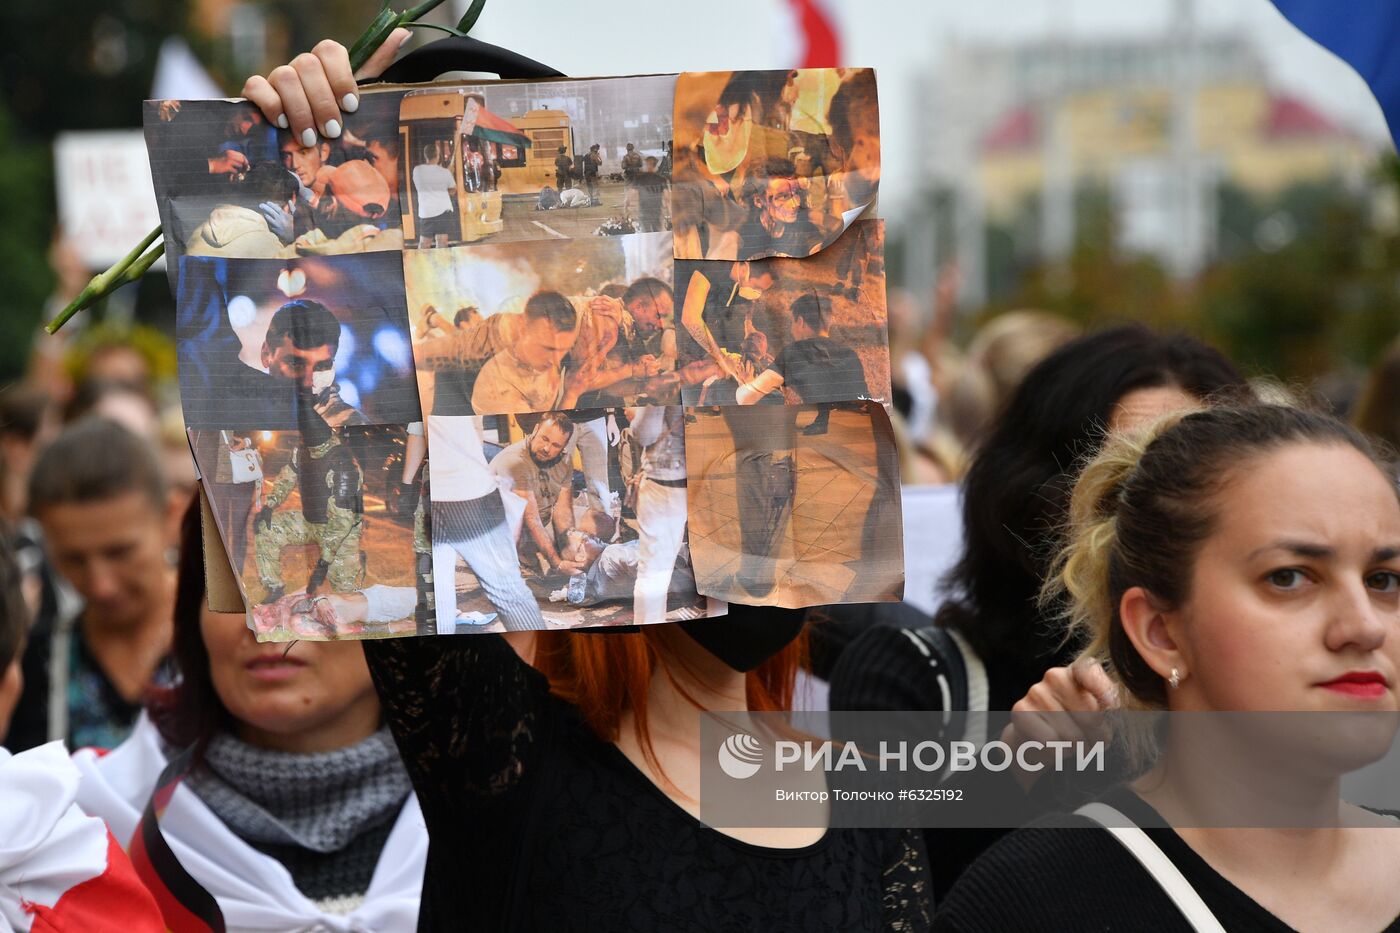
1320	551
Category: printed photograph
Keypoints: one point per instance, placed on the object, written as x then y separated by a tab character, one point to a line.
301	344
784	516
535	327
560	520
230	184
772	163
771	331
325	532
536	160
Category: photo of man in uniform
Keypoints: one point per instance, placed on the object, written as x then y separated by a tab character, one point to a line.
324	473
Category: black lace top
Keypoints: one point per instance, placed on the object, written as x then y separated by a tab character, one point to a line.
536	824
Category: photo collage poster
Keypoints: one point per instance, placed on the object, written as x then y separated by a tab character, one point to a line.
539	273
516	312
296	373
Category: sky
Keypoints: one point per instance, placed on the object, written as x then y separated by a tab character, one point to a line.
902	39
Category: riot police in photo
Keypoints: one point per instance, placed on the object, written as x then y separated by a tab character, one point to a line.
330	516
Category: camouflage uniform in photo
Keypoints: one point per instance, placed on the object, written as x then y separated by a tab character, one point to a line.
331	515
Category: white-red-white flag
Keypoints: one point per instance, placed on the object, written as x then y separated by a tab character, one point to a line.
61	870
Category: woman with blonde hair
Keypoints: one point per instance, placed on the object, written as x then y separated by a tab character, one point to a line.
1227	560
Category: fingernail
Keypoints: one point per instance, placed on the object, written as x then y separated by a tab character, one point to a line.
349	103
308	137
282	120
332	129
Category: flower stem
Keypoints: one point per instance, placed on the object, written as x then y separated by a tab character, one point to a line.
104	283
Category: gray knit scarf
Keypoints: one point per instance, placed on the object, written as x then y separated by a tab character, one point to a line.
318	802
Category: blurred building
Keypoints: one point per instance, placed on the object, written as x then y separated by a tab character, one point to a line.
1015	135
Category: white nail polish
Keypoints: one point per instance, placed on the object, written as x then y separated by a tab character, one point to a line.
349	103
332	129
282	120
308	137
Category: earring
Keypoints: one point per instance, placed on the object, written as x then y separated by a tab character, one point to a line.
1174	680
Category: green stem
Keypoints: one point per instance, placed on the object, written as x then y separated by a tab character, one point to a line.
447	29
427	6
104	283
470	17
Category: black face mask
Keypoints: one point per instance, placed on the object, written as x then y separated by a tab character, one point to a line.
748	636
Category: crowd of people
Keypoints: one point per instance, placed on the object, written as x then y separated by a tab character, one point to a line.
1139	530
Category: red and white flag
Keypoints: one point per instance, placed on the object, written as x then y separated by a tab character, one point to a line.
60	870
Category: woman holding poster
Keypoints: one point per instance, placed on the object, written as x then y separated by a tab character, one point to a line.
562	794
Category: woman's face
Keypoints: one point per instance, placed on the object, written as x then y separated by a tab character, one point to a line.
1295	599
311	696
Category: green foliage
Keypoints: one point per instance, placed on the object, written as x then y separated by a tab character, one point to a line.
26	186
1303	283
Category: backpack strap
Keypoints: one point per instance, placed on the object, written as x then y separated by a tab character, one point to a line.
945	660
1157	864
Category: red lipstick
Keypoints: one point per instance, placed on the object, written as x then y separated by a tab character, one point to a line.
1367	685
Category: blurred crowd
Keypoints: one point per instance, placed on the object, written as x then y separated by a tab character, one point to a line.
102	553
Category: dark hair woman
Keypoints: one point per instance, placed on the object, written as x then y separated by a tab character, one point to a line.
284	797
990	643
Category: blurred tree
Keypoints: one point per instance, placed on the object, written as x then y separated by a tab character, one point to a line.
26	190
82	64
1304	284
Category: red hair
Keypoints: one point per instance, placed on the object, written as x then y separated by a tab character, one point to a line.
606	674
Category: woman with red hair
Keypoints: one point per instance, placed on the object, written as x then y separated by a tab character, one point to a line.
565	795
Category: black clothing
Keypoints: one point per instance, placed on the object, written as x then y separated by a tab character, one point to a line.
555	829
452	391
444	224
819	369
1067	873
799	238
724	314
98	715
765	477
563	171
889	668
651	191
325	875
